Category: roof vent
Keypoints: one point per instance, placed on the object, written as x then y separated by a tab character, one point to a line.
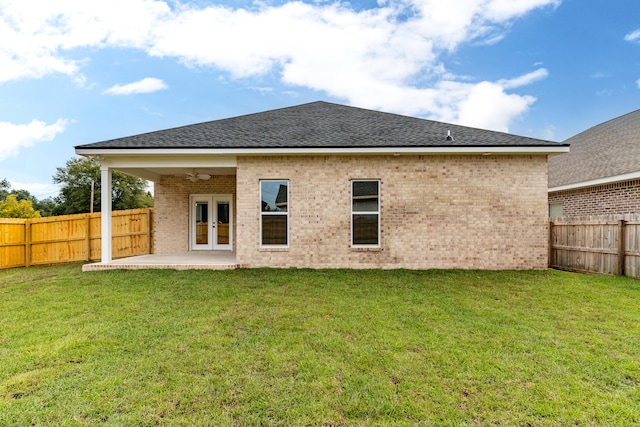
449	137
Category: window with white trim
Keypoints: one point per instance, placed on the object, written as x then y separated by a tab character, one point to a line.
365	212
274	213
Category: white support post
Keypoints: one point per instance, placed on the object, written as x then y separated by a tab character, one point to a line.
105	209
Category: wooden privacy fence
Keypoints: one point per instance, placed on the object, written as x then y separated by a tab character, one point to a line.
596	244
73	238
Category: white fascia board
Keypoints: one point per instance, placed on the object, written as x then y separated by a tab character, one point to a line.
167	161
322	151
601	181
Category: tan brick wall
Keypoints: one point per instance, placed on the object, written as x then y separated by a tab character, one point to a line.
486	212
617	198
171	211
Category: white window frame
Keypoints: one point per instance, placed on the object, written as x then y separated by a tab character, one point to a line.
353	213
262	214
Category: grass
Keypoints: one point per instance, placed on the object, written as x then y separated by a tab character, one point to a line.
322	348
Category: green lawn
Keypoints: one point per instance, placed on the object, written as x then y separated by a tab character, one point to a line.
320	348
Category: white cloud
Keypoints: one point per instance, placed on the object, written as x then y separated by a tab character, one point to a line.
15	137
503	10
633	36
525	79
483	105
377	58
146	85
39	190
36	34
638	83
549	133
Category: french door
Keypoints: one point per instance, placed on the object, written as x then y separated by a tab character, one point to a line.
210	220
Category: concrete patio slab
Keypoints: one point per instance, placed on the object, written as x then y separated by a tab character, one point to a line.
205	260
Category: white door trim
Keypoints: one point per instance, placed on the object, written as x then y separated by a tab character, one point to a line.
213	223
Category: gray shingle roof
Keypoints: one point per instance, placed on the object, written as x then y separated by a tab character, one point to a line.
609	149
318	125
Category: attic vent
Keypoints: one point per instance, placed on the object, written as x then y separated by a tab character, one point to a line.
449	137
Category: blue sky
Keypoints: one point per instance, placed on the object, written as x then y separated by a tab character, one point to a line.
74	72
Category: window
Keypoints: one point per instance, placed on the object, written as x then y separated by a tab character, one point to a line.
274	213
365	213
555	209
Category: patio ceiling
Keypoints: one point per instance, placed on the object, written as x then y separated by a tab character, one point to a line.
152	167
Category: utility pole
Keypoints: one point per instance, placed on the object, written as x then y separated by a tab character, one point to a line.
92	192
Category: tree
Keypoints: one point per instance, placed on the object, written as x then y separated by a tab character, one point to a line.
5	188
128	192
14	208
45	207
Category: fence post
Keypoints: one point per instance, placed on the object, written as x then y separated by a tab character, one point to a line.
27	243
621	246
150	233
87	223
550	250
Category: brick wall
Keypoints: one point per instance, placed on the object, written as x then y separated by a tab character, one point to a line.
485	212
171	208
617	198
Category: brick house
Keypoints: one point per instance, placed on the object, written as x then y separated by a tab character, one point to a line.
326	185
601	174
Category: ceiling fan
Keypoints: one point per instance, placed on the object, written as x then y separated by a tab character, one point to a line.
195	176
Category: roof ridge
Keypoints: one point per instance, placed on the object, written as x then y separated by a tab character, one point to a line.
435	121
604	123
320	124
606	150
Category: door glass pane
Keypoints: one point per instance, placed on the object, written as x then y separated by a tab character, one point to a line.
222	236
202	223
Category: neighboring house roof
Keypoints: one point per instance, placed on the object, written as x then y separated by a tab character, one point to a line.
608	152
319	125
282	197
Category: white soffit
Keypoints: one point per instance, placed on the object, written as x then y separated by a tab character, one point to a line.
173	160
153	167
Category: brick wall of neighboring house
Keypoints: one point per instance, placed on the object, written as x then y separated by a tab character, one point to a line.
487	212
617	198
171	208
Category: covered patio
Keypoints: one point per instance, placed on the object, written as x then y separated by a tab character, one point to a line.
182	261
